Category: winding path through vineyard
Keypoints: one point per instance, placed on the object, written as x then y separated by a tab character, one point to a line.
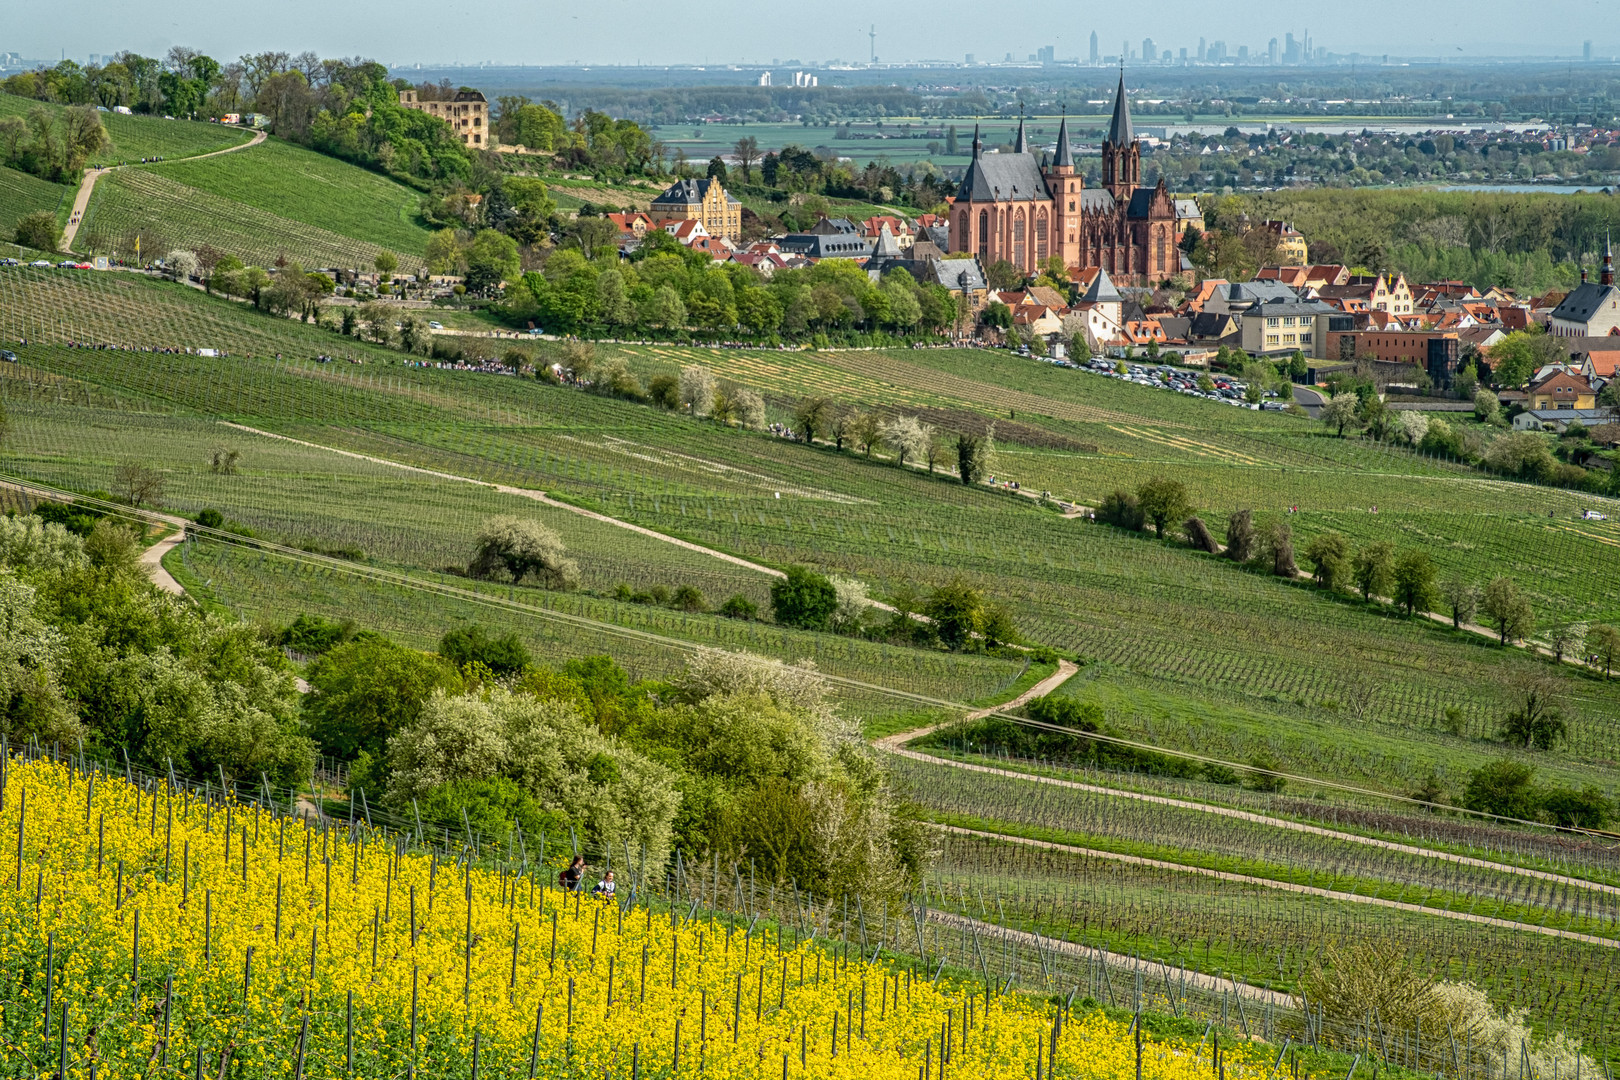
87	186
896	744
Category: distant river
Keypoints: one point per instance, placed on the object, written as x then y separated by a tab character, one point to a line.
1519	189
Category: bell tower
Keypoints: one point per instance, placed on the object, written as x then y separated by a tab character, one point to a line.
1121	153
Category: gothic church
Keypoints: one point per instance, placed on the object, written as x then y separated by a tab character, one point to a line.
1011	207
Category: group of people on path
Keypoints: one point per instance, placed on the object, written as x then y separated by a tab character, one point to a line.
573	879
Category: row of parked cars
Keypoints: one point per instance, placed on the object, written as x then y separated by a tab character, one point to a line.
46	264
1226	390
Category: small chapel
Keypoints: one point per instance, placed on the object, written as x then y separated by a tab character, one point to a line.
1012	207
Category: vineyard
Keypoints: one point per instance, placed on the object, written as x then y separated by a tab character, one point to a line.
166	214
22	194
1404	699
137	137
295	184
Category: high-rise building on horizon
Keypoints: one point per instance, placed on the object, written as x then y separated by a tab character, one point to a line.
1271	53
1203	52
1150	53
1586	52
1096	55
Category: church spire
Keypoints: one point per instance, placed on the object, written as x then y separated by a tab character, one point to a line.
1063	158
975	142
1120	132
1021	144
1607	277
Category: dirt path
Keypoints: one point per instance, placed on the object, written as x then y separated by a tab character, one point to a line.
87	186
1155	968
1288	886
152	561
527	493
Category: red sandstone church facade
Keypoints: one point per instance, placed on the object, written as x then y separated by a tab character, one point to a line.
1011	207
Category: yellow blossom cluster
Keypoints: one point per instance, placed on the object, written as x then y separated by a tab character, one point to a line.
147	934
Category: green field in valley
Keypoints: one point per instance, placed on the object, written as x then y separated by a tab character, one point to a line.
22	194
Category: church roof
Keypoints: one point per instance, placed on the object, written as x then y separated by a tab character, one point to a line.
1003	178
1120	132
1063	158
1102	291
1020	144
1096	201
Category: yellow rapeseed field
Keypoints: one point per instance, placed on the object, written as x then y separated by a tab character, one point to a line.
183	937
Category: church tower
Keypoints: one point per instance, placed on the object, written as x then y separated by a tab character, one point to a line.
1065	186
1121	153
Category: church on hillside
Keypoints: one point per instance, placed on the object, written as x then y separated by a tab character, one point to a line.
1012	207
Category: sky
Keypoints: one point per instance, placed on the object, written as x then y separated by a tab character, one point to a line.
759	32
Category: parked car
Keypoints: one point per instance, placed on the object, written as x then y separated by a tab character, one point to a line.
435	325
43	264
8	356
9	262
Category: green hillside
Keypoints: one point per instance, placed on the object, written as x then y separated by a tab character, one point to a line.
22	194
137	137
167	214
300	185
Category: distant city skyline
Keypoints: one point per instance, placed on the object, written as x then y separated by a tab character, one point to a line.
756	35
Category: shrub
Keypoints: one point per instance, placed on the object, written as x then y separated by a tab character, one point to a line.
1122	508
803	598
664	391
313	635
739	606
210	518
504	655
1263	775
38	230
1199	536
1587	808
1240	536
1504	787
365	690
689	598
522	548
957	610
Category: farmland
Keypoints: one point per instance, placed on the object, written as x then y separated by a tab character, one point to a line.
137	137
22	194
1177	649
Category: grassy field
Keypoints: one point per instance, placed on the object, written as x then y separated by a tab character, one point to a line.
322	192
137	137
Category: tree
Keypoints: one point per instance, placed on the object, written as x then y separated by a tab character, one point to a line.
804	598
1162	501
1486	406
975	455
491	258
809	416
1534	721
137	483
750	409
867	430
1240	536
746	151
957	611
1414	581
1341	411
1603	642
443	252
668	310
1329	555
697	389
364	691
908	437
1276	544
1511	612
180	265
38	230
1521	354
1564	637
386	263
1373	569
522	548
1505	788
1462	597
1003	276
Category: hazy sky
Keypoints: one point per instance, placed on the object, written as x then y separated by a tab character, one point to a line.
755	32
